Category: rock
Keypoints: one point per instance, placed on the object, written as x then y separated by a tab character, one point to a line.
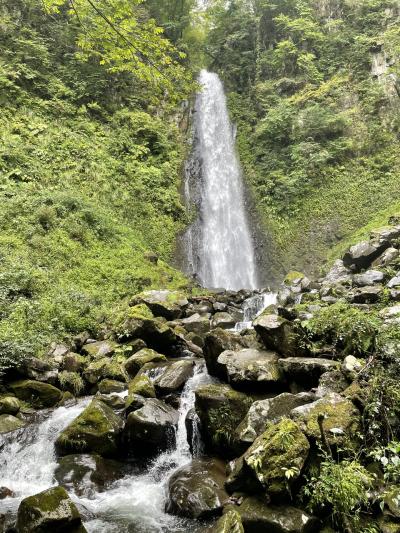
339	274
38	370
197	490
306	371
9	405
103	368
220	410
223	320
10	423
333	381
133	402
50	510
362	254
388	525
276	333
270	410
114	400
368	278
394	282
151	257
97	429
219	307
395	295
36	393
294	278
197	324
108	386
73	362
140	358
258	516
341	418
282	447
251	368
219	340
6	493
174	376
86	474
141	385
230	522
366	295
151	428
388	256
99	349
351	366
164	303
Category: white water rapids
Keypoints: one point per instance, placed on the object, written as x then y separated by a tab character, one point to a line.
219	244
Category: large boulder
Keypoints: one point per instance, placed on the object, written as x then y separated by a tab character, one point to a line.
370	277
387	257
9	405
220	410
262	412
140	358
36	393
251	368
108	386
199	324
141	385
219	340
86	474
105	368
99	349
10	423
257	516
197	489
339	416
282	448
333	381
151	428
174	375
164	303
50	510
97	429
230	522
361	255
38	370
223	320
277	334
366	295
306	371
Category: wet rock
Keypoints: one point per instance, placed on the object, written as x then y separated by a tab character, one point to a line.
73	362
10	423
6	493
258	516
99	349
263	412
361	255
97	429
230	522
333	381
388	256
141	385
108	386
86	474
366	295
38	370
164	303
276	333
306	371
36	393
251	368
133	402
341	418
174	376
282	447
368	278
115	401
50	510
104	368
223	320
140	358
151	428
197	489
219	340
199	324
9	405
220	410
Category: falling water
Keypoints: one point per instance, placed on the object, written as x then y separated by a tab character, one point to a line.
219	244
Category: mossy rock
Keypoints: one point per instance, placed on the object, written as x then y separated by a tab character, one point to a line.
99	349
164	303
277	334
105	368
50	510
220	409
108	386
282	448
293	276
143	386
230	522
10	423
9	405
140	358
36	393
97	429
341	418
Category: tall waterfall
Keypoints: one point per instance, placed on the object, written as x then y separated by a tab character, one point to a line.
219	244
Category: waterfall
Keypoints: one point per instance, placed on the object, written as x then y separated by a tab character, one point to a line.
220	249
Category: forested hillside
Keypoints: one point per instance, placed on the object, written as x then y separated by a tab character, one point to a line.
314	90
90	163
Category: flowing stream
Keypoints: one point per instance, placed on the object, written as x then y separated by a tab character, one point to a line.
219	245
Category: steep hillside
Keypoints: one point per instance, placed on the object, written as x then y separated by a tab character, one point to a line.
314	90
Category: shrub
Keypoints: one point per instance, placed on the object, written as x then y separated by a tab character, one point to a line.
71	381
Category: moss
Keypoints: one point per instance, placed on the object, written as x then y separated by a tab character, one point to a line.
293	276
143	386
36	393
230	522
71	381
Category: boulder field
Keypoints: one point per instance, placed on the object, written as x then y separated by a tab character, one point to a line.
285	396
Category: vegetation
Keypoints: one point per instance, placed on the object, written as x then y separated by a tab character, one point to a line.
318	130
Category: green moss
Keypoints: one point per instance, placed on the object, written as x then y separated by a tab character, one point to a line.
71	381
143	386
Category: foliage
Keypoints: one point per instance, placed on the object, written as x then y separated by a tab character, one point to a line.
71	381
341	488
